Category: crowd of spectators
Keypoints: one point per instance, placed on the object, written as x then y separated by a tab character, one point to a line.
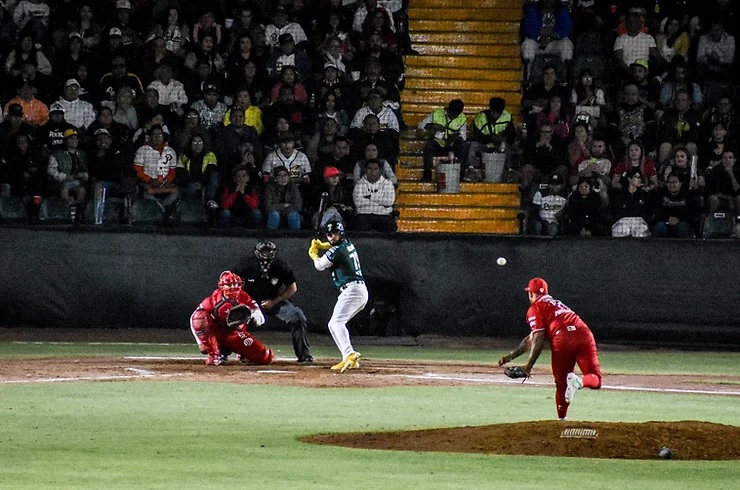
629	117
248	108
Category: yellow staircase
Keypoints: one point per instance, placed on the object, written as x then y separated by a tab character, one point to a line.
468	49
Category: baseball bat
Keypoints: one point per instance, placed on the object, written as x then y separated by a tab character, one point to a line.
322	207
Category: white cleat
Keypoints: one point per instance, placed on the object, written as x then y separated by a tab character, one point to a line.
573	384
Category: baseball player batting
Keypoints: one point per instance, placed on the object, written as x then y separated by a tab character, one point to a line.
571	342
341	257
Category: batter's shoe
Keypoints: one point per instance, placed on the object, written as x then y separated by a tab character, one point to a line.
573	384
352	362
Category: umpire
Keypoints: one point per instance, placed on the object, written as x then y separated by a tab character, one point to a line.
271	283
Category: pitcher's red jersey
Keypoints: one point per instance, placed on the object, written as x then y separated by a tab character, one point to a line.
551	315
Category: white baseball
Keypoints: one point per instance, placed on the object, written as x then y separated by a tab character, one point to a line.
501	261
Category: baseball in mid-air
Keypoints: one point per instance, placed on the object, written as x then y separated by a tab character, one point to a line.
501	261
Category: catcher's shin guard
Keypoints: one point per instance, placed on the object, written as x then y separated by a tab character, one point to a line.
249	348
200	323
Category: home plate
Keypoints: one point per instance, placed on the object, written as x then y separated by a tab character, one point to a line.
274	371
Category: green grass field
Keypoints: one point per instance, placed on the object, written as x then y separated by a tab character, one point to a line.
189	434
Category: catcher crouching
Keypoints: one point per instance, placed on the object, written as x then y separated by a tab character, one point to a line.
219	324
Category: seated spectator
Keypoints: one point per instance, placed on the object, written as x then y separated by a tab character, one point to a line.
598	167
26	50
388	120
674	210
371	153
547	28
254	79
211	111
635	157
280	25
118	132
197	173
715	54
149	108
46	87
648	88
386	141
244	51
321	144
492	130
69	60
632	120
339	203
287	55
174	32
50	135
77	112
171	92
232	141
207	26
542	157
692	179
548	207
379	22
252	113
68	172
110	169
87	26
180	139
579	149
678	79
330	84
286	156
372	50
723	184
158	55
22	173
710	150
371	82
155	163
374	197
141	136
246	23
283	201
672	41
630	207
240	200
130	37
588	98
722	111
633	45
32	16
584	211
340	158
536	96
446	129
337	51
330	107
35	113
205	51
286	106
558	116
118	77
123	110
680	125
199	78
289	77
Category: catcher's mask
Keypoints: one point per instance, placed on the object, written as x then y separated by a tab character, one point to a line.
265	251
230	284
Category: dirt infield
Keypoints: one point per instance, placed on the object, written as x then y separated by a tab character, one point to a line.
687	440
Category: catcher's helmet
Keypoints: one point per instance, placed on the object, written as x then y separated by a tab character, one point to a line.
335	227
230	284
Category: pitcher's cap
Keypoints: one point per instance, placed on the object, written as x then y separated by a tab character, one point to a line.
537	285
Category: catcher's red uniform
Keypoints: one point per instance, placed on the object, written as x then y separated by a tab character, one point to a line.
571	342
208	324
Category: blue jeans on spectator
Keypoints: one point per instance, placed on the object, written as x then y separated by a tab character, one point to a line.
212	181
252	220
662	229
292	219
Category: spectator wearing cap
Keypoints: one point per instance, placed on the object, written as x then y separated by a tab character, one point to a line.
210	109
283	201
631	207
548	208
118	77
77	112
288	157
110	167
374	105
171	92
27	50
287	55
289	77
230	142
67	170
374	197
715	54
447	131
155	163
281	25
35	112
648	87
633	45
112	47
51	134
339	206
252	113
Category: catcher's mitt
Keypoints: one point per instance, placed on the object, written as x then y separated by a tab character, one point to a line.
516	372
238	315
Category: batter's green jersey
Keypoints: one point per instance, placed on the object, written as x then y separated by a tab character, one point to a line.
345	263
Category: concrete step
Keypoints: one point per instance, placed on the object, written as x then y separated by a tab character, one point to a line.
481	200
411	161
412	174
489	188
492	226
462	37
412	146
416	186
446	212
424	102
459	13
498	51
479	67
468	3
479	85
436	25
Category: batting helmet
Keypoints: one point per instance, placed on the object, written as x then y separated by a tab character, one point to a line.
335	227
230	284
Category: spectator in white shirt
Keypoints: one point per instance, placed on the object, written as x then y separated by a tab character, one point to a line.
374	197
171	91
77	112
388	120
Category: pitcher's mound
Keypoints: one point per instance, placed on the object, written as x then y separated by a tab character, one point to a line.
687	440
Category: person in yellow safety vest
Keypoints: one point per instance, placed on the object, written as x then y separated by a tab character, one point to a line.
493	131
447	128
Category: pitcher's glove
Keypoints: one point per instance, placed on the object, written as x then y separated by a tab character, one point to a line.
238	315
516	372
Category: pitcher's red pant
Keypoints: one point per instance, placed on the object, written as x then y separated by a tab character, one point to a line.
572	345
212	339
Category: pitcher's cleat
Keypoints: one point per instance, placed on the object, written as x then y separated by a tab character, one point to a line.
573	384
352	362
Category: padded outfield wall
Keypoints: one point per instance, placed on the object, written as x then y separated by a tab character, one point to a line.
656	291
